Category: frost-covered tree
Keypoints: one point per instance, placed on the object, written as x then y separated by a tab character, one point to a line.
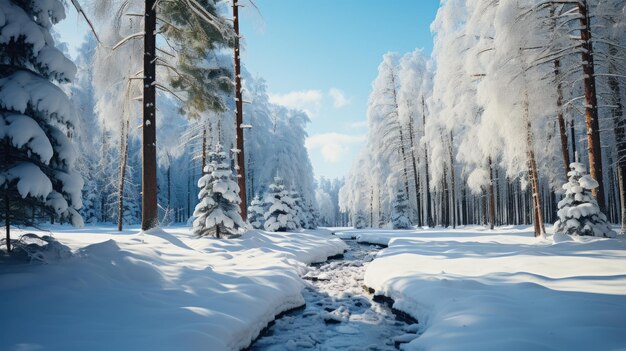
280	215
401	211
359	220
36	116
217	214
579	213
256	213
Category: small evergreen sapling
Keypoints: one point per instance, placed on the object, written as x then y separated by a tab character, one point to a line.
217	214
400	214
579	213
256	213
280	215
359	220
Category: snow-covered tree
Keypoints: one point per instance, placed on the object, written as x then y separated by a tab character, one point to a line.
217	214
281	215
36	117
579	213
256	213
401	211
359	220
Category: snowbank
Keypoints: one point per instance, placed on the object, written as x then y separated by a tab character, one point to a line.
505	290
161	290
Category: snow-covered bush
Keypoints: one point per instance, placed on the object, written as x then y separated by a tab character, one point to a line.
33	248
400	214
217	213
281	215
256	213
36	116
359	220
579	213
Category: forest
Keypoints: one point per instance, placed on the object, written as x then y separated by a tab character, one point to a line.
156	194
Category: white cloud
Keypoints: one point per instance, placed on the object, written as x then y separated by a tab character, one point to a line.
339	98
333	146
308	101
357	125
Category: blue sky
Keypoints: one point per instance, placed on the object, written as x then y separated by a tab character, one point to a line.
321	56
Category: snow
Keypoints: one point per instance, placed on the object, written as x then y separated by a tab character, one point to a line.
158	290
31	181
474	289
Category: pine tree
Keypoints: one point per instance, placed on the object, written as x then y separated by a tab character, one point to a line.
359	220
217	213
579	213
400	214
36	116
256	213
280	215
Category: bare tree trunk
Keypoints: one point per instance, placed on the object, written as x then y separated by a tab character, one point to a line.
204	146
372	207
149	169
103	206
452	183
123	162
620	136
241	160
7	218
429	218
560	118
405	172
415	175
591	104
534	177
492	201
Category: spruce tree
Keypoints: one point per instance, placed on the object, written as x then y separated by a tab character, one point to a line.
217	214
37	162
359	220
579	213
256	213
280	215
400	214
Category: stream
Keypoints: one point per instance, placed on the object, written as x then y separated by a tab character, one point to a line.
339	314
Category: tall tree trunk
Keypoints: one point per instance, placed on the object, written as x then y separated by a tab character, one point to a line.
560	118
404	167
103	199
619	125
559	99
122	175
149	164
452	183
204	147
429	218
591	104
492	200
415	175
372	207
241	160
7	218
534	176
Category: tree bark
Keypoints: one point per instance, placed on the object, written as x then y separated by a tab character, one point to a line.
620	137
7	218
452	183
415	176
591	104
429	218
122	175
534	177
204	146
492	201
560	118
149	169
241	163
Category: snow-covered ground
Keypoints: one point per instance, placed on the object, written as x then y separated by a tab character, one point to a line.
475	289
162	290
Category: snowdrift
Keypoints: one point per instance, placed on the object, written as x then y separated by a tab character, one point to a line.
504	290
159	290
